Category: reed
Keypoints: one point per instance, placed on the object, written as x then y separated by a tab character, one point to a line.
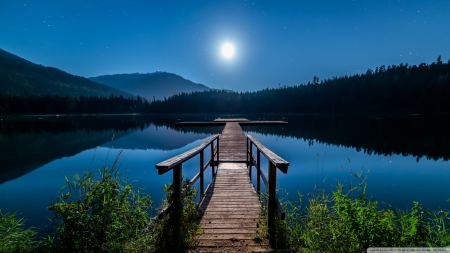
346	221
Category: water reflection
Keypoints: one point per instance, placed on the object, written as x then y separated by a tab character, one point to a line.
31	142
37	153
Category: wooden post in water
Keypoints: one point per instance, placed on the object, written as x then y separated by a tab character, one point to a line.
202	180
176	208
258	172
272	204
212	160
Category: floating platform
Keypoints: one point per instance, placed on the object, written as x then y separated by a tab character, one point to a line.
222	122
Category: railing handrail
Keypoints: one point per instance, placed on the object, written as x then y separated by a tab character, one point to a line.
279	162
274	162
168	164
176	163
280	211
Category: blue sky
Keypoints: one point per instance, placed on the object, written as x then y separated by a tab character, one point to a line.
276	42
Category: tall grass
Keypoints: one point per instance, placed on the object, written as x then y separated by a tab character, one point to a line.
102	212
109	215
346	221
14	237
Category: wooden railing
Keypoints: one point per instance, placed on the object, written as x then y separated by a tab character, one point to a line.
176	162
273	205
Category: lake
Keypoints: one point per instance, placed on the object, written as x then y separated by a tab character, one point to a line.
407	156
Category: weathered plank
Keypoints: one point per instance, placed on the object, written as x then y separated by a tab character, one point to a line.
232	144
170	163
279	162
265	123
231	212
231	120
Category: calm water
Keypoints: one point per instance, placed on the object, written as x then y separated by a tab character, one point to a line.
407	157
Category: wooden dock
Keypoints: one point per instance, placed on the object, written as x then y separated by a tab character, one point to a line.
230	207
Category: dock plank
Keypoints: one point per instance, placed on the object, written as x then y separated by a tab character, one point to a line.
232	144
231	212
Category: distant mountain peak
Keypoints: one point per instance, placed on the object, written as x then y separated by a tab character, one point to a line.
22	77
158	84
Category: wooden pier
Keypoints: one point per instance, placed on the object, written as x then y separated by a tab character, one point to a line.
231	206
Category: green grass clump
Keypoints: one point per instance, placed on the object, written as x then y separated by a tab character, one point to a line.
177	232
101	213
13	236
342	223
110	215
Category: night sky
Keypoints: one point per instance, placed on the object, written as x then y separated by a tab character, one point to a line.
276	42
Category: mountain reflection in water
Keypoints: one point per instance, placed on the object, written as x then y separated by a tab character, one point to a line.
38	153
27	144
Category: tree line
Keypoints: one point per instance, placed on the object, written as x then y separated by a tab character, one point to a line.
403	88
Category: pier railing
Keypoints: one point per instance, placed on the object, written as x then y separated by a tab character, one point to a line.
275	162
176	164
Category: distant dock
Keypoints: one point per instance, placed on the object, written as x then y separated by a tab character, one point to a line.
222	122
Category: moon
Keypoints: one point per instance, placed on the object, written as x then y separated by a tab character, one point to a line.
227	50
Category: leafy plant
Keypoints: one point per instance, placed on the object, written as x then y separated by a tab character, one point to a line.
342	223
13	236
101	215
179	221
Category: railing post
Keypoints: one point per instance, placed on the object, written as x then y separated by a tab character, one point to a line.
258	171
250	161
212	160
202	180
177	208
272	201
218	160
246	144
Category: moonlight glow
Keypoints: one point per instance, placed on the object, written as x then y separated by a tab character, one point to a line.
227	50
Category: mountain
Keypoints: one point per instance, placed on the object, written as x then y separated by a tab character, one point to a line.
151	85
21	77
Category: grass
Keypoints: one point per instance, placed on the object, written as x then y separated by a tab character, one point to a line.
346	221
13	235
257	238
102	212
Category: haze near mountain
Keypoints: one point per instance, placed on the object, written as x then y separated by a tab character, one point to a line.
151	85
21	77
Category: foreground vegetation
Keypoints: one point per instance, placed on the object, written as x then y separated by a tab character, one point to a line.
102	212
349	222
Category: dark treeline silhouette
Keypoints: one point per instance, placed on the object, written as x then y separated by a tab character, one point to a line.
393	89
51	104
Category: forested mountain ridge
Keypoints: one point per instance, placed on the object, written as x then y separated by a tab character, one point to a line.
394	89
157	85
21	77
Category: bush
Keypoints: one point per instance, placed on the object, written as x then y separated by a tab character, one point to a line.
104	215
13	236
177	231
342	223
